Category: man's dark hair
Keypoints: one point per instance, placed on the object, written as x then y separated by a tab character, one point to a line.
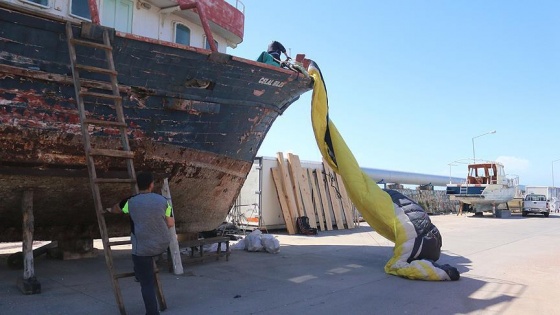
144	179
276	47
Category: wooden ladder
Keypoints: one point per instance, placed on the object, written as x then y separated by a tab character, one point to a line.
90	152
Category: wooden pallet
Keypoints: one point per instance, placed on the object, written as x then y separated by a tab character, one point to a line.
318	194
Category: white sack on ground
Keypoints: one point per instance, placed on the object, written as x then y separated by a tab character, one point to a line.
239	245
270	243
253	241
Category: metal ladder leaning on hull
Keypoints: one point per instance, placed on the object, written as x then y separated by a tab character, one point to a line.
124	153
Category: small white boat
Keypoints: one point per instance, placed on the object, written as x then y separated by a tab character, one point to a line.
486	186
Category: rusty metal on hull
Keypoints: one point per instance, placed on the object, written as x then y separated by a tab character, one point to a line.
63	204
42	150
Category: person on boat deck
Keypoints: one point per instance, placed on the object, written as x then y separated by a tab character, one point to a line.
273	54
276	49
150	220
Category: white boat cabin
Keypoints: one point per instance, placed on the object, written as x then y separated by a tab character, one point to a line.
165	20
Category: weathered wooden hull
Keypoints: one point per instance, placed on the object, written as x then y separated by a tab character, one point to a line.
195	117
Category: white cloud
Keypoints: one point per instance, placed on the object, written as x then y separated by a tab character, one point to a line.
514	165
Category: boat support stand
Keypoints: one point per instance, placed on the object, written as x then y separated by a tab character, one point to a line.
28	284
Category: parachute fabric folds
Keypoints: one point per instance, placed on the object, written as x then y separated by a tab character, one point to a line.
353	176
377	207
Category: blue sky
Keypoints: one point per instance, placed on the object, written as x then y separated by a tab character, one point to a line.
412	82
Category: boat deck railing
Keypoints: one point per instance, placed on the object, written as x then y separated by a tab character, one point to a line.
512	180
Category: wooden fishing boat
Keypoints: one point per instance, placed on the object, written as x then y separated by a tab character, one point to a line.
196	115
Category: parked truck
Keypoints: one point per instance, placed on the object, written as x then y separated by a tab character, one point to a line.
535	203
552	195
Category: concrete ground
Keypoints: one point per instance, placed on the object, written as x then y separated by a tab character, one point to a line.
508	266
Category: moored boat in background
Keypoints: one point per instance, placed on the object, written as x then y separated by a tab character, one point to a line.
485	187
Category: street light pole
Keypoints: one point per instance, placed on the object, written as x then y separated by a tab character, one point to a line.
553	171
473	155
450	164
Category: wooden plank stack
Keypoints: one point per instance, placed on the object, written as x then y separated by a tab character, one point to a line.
317	193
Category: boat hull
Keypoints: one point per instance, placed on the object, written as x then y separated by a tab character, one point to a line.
195	117
482	197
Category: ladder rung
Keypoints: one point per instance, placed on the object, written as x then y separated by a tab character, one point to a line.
123	275
112	153
96	69
114	180
123	153
91	44
104	123
118	243
101	95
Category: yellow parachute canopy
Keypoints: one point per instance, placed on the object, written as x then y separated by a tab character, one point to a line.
376	206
